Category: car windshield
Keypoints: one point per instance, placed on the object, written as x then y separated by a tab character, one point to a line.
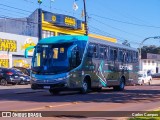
17	71
140	75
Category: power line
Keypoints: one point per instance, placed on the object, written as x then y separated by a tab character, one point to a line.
140	25
116	28
13	11
117	37
15	8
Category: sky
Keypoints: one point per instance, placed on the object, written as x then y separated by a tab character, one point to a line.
132	20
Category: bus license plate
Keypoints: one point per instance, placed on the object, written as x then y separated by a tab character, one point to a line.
46	87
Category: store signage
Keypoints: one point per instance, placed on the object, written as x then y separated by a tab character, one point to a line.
54	18
70	21
62	20
4	56
4	63
8	45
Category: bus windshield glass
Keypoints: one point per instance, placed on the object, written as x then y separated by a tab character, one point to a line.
57	58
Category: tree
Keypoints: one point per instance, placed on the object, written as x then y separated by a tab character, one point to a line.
126	43
150	49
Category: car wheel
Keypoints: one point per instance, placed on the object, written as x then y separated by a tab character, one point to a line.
3	82
54	92
149	83
21	82
142	82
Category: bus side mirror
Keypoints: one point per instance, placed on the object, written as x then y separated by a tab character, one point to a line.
26	53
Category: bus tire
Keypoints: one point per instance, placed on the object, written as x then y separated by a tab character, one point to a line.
121	85
85	87
54	92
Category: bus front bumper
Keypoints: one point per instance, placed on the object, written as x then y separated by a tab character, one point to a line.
49	86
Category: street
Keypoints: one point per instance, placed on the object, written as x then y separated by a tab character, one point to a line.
134	98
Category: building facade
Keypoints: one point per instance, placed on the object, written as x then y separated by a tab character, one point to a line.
16	34
151	62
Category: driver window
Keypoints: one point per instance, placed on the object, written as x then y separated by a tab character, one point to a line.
55	53
75	57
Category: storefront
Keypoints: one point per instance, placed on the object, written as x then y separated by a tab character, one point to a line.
12	48
20	33
58	24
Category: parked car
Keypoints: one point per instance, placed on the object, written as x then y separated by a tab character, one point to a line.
8	76
24	70
24	79
144	78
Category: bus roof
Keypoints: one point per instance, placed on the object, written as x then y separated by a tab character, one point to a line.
107	43
72	38
62	39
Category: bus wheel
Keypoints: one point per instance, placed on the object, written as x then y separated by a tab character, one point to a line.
53	92
85	87
121	86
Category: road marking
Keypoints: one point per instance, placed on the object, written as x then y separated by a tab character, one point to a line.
46	107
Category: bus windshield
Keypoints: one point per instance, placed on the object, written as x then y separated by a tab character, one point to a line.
56	58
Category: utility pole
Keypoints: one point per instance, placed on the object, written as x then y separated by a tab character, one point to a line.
85	17
39	20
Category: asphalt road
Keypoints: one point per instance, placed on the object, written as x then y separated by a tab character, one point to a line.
133	98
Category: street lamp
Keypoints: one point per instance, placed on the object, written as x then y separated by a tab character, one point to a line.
140	46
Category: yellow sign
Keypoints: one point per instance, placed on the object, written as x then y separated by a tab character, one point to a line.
28	42
4	63
8	45
70	21
21	63
54	18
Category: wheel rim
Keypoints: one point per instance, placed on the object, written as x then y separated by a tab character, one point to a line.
85	86
122	85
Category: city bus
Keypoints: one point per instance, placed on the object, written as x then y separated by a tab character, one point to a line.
82	63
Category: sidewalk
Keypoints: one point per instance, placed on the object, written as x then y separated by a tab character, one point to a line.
156	81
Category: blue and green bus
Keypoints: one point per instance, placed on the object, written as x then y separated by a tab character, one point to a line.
82	63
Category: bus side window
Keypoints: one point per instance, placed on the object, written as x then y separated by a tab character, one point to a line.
95	51
127	57
90	50
101	50
120	56
106	53
137	56
113	54
124	56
